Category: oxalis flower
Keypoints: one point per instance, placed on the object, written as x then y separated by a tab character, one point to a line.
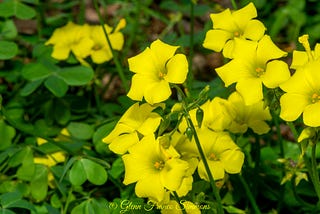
303	91
222	154
228	25
137	121
154	69
254	65
101	51
154	169
71	38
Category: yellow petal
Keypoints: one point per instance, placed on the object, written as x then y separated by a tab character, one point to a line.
216	39
142	63
254	30
173	173
138	86
292	105
297	83
216	168
232	160
177	69
162	52
267	50
224	20
122	143
243	15
116	40
101	56
150	187
311	115
259	126
276	73
299	58
157	92
60	52
250	89
306	134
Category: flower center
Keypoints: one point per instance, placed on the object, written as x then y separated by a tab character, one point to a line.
96	47
315	98
236	34
213	157
162	75
159	165
259	71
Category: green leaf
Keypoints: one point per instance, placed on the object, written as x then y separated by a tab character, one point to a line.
96	174
79	209
8	50
80	131
77	175
7	133
9	30
16	8
56	85
61	111
26	170
9	198
76	76
30	87
35	71
6	211
117	168
39	183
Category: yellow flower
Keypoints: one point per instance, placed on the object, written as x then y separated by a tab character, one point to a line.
253	64
71	38
101	51
248	116
302	95
154	69
228	25
154	168
222	154
137	121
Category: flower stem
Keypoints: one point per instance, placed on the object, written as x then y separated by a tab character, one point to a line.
234	4
114	54
314	171
249	194
203	158
176	197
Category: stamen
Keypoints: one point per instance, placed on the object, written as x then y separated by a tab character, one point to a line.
304	41
212	156
158	165
236	34
315	98
259	71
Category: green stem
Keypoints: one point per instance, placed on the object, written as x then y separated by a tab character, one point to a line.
176	197
205	163
114	54
191	44
314	171
234	4
250	195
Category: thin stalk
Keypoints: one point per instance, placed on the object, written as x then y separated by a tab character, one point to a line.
206	166
82	12
114	54
191	44
176	197
250	195
234	4
314	171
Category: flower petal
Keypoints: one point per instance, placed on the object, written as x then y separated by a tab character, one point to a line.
267	50
224	20
172	174
143	63
177	69
254	30
292	105
243	15
150	187
138	85
250	89
157	92
276	73
216	39
299	58
216	168
311	115
233	71
122	143
232	160
162	52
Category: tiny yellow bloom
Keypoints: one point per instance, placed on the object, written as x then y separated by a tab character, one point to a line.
248	116
101	51
137	121
154	69
222	154
71	38
228	25
153	169
254	64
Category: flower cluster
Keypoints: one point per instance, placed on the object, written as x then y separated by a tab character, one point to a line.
254	57
86	40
